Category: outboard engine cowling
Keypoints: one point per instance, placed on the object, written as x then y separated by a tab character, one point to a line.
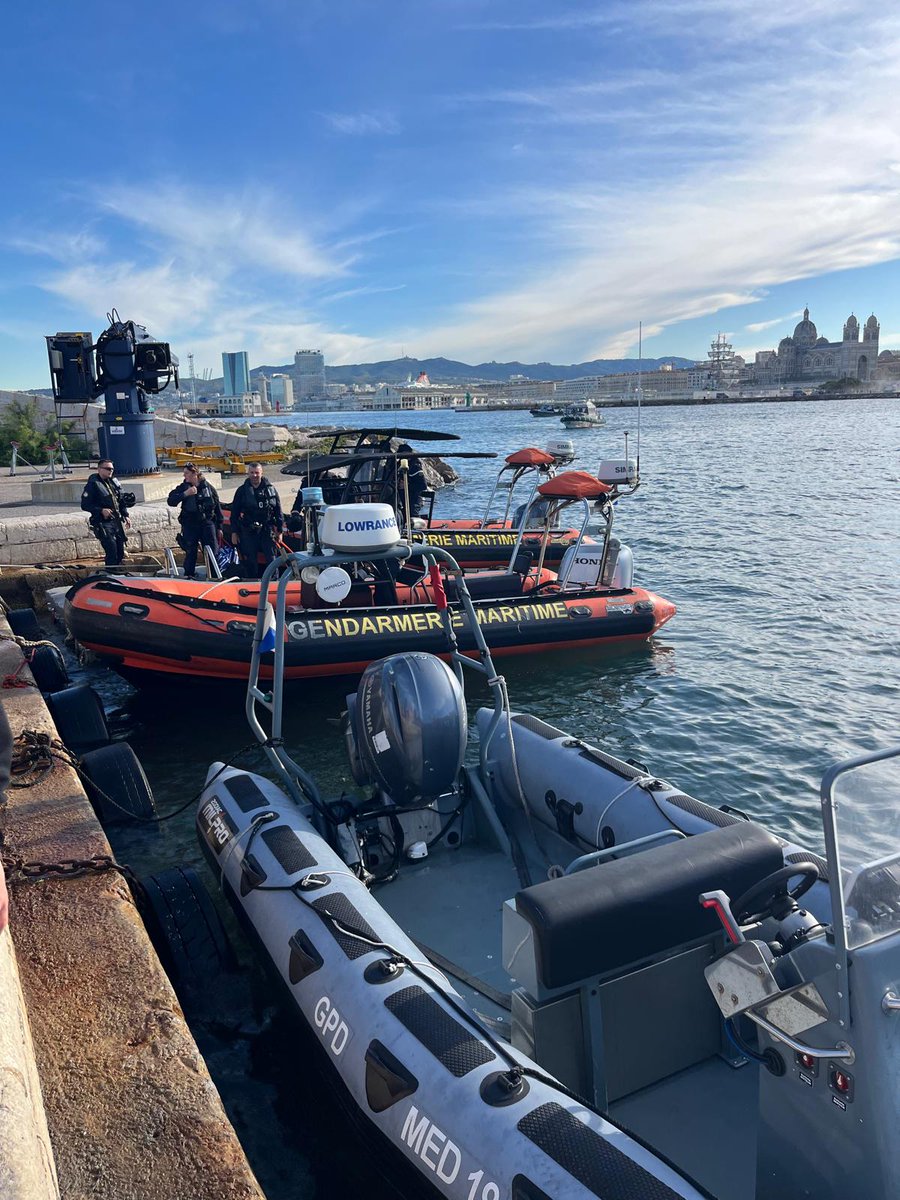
583	567
406	727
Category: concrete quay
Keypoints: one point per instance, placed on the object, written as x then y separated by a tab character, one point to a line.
128	1103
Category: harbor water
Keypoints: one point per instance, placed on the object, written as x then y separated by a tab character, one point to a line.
775	530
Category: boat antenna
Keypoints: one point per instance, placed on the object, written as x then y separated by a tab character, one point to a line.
640	391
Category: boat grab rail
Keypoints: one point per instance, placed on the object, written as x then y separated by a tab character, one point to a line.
279	573
596	856
841	1051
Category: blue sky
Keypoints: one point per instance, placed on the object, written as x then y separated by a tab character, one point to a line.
483	179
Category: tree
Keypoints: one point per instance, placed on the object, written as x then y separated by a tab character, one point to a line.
23	422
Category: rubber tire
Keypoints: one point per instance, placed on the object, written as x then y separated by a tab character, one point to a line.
49	669
79	718
186	930
116	770
24	624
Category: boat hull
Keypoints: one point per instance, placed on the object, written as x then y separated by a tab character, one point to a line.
171	627
404	1049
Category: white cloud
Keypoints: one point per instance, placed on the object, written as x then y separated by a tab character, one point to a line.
760	326
224	231
363	124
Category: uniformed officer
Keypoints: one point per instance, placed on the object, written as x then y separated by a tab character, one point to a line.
104	500
256	520
200	517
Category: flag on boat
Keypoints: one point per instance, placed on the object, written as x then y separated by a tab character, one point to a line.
267	641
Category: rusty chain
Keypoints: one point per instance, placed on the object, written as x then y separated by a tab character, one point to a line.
19	871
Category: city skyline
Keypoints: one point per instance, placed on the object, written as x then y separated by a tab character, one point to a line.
494	183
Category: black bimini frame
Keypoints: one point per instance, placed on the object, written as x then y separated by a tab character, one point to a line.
273	592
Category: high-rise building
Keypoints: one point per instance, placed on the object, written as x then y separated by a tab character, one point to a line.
281	393
236	369
309	374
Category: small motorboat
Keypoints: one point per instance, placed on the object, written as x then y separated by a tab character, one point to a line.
583	414
341	620
550	973
547	410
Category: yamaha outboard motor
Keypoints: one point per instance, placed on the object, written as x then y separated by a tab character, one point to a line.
406	727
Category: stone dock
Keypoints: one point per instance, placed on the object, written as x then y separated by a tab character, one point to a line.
103	1092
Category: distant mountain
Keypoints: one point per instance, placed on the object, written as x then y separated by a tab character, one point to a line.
447	370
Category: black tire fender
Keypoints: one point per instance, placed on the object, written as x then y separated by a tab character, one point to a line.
186	929
116	784
49	669
79	718
24	624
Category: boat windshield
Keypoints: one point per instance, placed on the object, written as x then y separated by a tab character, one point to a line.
867	823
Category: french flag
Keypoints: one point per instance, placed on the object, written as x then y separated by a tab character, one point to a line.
267	643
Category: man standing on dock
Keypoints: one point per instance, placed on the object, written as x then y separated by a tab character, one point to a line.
256	520
104	500
200	517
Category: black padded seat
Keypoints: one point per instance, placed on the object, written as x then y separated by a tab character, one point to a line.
488	585
605	917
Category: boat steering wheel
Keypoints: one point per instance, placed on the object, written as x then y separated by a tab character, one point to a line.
771	897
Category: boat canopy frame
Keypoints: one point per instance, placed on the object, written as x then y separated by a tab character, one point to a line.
278	574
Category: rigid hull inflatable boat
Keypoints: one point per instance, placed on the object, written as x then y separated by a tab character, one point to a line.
571	980
338	622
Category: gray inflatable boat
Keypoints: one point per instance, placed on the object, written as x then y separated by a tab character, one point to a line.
552	974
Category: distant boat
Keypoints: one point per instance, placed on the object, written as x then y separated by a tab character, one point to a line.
547	410
583	414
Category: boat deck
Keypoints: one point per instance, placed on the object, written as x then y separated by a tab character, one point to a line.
466	888
462	920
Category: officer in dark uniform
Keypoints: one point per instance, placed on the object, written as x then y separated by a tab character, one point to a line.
256	519
200	517
104	500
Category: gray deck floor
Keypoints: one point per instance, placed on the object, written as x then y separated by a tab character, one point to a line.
452	902
704	1119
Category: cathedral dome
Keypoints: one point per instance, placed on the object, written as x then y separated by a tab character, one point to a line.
872	322
823	341
786	343
805	332
851	320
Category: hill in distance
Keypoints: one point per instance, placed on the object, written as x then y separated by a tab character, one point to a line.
447	370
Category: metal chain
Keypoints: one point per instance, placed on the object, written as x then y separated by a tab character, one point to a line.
33	755
19	871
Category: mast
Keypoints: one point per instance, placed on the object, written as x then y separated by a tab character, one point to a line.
640	390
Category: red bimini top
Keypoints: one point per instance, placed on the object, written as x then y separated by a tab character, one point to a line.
574	485
529	457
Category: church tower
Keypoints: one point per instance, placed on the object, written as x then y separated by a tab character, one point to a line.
851	329
871	330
